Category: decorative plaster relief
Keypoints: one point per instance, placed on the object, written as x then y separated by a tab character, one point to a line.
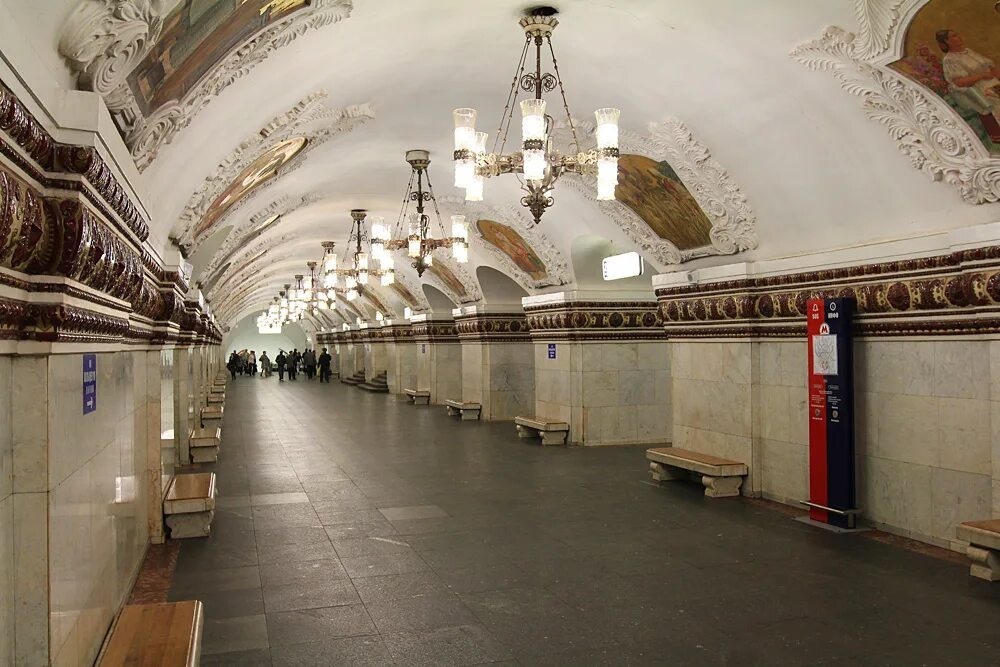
734	226
471	285
419	303
104	40
310	119
556	267
925	128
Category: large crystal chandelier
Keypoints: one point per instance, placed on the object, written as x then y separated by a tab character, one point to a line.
417	240
358	268
538	164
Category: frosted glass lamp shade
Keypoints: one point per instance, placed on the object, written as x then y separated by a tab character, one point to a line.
607	178
465	129
388	277
534	165
460	251
459	229
474	190
532	120
607	127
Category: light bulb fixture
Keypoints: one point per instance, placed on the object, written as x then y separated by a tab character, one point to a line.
416	237
538	163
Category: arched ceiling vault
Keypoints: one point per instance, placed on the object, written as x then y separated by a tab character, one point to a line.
731	144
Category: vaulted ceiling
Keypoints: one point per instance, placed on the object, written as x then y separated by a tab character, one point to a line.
761	142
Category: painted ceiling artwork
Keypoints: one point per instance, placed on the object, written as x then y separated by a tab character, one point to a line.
405	294
952	47
262	169
196	36
448	277
654	191
512	244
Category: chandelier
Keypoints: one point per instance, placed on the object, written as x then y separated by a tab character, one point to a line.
538	164
359	269
419	243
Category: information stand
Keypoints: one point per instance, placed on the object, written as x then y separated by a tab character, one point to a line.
832	493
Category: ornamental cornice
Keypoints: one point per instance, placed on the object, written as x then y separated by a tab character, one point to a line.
950	294
43	157
734	225
104	40
492	328
434	331
595	320
924	127
310	118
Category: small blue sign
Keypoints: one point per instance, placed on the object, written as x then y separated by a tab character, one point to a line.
89	383
552	350
423	348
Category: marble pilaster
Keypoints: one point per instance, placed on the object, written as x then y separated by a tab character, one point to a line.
498	361
401	356
438	357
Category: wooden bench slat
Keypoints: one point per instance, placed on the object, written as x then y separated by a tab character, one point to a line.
990	525
162	634
194	485
707	459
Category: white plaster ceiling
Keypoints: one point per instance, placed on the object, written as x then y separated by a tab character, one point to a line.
817	173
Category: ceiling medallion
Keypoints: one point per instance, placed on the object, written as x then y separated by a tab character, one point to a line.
419	243
538	164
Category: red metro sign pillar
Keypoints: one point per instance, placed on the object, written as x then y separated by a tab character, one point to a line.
831	411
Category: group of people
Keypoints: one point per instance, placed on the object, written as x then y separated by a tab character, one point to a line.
245	363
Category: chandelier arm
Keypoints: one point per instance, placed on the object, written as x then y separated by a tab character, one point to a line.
562	91
508	112
437	212
402	210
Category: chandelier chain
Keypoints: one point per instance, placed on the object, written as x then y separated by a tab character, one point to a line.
437	213
402	209
511	98
562	91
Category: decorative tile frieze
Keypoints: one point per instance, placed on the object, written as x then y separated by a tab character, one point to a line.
594	320
434	331
492	327
956	293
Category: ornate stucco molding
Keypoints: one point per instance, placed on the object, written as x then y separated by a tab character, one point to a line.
244	232
471	285
925	129
493	328
310	118
556	267
957	293
104	40
422	305
734	226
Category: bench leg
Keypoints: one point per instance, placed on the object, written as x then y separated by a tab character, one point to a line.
985	563
662	473
422	400
721	487
451	411
192	524
470	415
525	432
554	437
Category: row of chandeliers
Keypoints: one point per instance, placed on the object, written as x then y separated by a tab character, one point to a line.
368	256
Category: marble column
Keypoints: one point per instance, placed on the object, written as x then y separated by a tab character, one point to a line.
376	361
601	365
184	415
498	361
401	356
438	357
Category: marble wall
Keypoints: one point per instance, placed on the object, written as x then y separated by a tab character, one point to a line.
609	393
376	361
6	516
439	370
926	426
401	359
501	377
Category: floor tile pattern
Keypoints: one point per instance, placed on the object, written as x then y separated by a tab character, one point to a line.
354	528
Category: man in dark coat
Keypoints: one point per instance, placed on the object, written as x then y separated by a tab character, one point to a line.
324	366
281	360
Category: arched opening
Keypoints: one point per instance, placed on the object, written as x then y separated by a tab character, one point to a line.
499	288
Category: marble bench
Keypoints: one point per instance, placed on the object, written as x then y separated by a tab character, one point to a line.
418	396
722	478
469	411
167	634
204	445
215	398
551	432
189	506
984	547
211	416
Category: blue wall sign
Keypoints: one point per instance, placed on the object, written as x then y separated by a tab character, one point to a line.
552	350
89	383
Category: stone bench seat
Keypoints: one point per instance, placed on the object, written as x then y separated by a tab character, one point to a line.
166	634
189	506
418	396
551	432
722	478
216	399
212	414
468	410
984	547
204	445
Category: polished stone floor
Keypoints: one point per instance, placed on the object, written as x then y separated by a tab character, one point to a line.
354	528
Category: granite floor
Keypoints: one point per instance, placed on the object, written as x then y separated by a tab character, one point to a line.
355	529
